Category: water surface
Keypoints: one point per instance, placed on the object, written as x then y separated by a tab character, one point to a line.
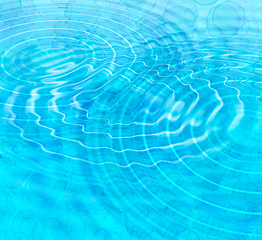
130	120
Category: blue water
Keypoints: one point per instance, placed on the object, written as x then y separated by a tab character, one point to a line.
131	119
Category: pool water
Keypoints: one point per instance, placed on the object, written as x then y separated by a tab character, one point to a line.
130	120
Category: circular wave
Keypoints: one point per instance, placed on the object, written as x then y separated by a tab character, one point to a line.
118	118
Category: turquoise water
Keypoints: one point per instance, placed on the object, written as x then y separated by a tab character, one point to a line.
130	120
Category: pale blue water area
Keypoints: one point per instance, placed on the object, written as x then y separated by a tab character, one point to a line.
125	120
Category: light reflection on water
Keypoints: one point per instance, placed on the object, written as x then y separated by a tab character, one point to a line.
130	120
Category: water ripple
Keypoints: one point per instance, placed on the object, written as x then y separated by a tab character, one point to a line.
130	120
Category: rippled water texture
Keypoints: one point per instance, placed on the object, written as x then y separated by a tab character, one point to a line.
135	119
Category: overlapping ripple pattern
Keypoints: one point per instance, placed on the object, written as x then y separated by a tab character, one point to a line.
130	120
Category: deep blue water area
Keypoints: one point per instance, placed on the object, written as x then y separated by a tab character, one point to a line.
130	119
